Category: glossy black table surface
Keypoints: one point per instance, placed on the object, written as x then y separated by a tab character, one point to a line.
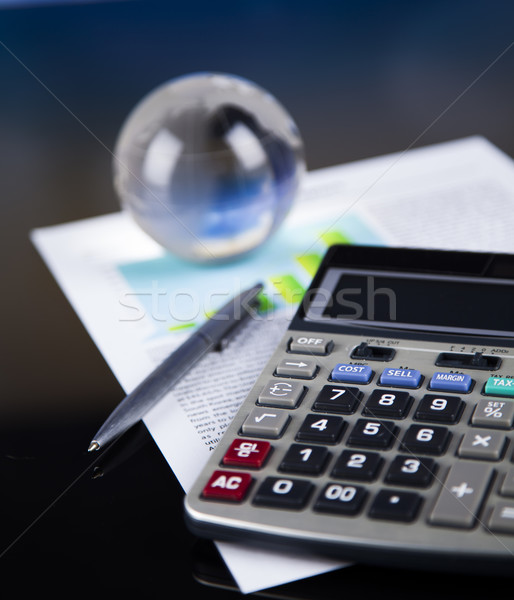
360	79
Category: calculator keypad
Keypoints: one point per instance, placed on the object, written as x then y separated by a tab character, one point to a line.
333	432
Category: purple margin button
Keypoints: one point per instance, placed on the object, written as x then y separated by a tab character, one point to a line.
451	382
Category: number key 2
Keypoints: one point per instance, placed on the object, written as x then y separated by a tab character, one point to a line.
359	466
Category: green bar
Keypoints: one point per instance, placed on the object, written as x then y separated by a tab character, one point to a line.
266	305
180	327
288	287
500	386
310	262
335	237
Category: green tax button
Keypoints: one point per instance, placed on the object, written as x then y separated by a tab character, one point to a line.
500	386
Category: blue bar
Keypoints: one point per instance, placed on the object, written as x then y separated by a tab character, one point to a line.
352	373
407	378
451	382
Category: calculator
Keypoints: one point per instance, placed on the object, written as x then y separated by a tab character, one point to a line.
381	430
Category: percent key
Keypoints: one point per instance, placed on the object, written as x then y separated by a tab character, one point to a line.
497	414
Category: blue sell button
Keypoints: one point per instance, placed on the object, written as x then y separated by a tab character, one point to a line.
407	378
351	373
451	382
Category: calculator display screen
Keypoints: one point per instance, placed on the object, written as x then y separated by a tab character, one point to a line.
416	301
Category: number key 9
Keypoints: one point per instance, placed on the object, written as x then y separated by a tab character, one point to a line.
439	409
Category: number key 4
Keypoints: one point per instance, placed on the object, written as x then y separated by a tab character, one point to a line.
324	430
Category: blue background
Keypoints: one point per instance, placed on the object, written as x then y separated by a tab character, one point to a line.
360	78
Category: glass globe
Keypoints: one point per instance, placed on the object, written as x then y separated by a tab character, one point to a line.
208	165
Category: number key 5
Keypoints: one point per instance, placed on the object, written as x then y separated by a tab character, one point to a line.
372	434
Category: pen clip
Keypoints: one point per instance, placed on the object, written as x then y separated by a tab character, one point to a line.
251	309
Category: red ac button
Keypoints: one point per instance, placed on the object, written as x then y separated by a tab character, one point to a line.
227	485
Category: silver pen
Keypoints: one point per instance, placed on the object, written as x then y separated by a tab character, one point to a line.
212	333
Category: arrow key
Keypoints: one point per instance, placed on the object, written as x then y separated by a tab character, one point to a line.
301	368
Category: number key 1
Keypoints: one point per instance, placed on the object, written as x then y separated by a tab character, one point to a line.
309	460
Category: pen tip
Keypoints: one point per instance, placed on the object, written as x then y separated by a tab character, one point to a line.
94	445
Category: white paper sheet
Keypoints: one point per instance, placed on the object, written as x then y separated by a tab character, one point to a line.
138	303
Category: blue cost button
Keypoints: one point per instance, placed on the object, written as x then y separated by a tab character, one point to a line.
352	373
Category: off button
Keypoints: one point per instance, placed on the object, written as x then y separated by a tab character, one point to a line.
311	345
